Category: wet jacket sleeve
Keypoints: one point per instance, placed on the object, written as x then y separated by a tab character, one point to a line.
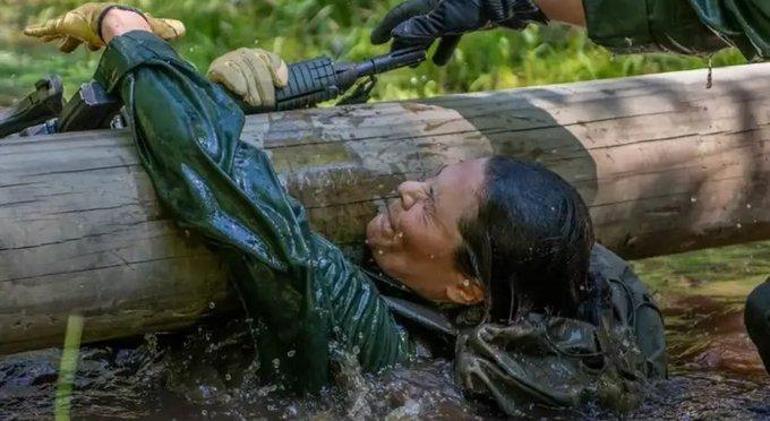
683	26
187	133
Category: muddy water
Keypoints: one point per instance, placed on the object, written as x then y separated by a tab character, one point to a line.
206	372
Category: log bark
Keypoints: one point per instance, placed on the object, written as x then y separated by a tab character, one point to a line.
665	165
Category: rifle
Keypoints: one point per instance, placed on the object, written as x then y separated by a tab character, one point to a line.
92	107
44	103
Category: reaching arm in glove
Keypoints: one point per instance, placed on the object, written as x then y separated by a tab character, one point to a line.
252	74
417	23
683	26
83	25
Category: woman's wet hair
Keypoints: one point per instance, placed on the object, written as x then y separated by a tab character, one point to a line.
529	244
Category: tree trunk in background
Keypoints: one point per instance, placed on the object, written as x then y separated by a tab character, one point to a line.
665	165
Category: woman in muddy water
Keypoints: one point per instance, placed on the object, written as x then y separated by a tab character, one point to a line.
495	256
699	27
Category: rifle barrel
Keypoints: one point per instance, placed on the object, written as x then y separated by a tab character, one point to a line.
390	61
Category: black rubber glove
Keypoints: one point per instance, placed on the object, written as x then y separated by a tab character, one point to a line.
420	22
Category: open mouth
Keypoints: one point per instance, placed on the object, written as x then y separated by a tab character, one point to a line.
385	234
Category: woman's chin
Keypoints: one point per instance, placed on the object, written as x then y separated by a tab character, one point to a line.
384	263
385	259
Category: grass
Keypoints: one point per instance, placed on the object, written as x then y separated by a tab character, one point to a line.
68	368
726	272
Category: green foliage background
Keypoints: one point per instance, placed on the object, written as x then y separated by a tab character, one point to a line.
300	29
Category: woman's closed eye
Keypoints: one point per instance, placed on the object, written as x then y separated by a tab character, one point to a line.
429	206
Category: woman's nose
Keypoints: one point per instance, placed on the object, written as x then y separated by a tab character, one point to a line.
410	192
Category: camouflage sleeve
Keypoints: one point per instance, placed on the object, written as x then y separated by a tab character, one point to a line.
363	324
661	25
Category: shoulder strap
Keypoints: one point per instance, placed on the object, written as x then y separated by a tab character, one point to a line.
421	314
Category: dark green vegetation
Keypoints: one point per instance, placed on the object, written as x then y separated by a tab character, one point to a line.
299	29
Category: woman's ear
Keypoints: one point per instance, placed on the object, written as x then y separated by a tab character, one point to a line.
466	292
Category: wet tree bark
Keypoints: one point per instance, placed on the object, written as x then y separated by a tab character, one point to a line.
665	165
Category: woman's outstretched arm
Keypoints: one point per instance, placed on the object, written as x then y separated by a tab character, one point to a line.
187	132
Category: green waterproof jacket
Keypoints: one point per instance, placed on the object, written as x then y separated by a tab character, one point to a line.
303	293
684	26
300	287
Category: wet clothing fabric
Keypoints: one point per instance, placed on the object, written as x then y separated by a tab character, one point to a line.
562	362
295	283
303	293
756	317
683	26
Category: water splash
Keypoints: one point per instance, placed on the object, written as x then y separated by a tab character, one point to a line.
211	372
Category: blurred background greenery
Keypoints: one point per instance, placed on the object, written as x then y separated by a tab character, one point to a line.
300	29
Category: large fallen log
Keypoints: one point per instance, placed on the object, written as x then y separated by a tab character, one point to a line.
665	164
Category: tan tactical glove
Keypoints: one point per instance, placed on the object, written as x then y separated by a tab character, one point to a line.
82	25
251	73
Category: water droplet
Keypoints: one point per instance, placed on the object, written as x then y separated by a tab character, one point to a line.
204	412
212	305
738	225
228	377
380	252
693	199
276	363
291	353
748	205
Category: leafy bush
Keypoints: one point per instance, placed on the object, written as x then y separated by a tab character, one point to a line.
300	29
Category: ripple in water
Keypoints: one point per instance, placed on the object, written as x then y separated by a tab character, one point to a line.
208	373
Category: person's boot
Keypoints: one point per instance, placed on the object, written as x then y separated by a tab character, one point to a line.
756	316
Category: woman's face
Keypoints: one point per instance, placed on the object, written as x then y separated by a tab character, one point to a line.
415	239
